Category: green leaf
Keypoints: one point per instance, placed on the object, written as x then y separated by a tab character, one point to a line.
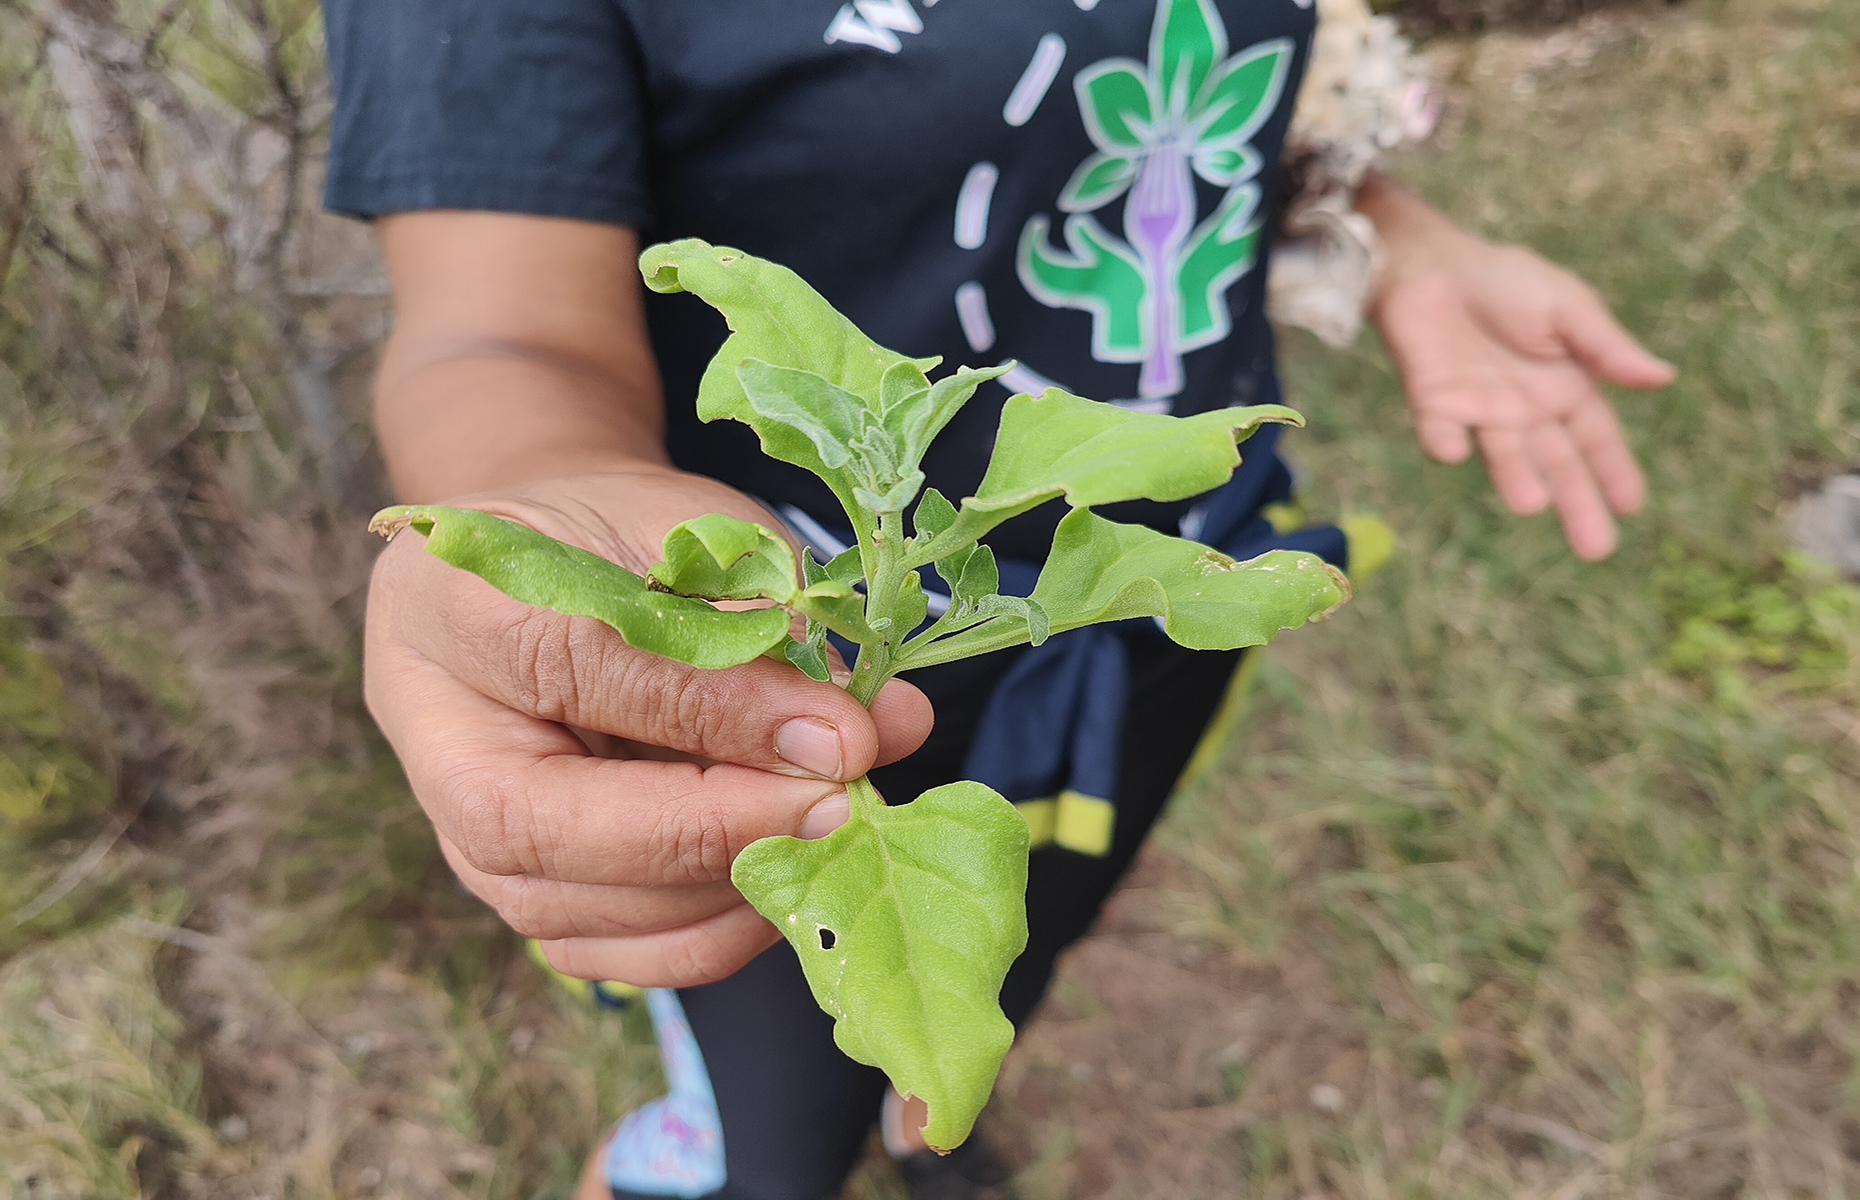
980	577
811	655
901	384
776	317
905	920
1029	612
1095	453
827	415
846	566
1185	43
536	569
719	557
839	606
894	498
910	608
1242	94
1102	570
915	417
934	514
1115	104
1099	180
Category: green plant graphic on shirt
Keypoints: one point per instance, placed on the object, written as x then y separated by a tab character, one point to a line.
907	917
1161	290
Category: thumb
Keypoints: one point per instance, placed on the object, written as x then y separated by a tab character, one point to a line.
1595	339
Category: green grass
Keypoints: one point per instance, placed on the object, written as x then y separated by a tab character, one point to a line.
1550	869
1580	841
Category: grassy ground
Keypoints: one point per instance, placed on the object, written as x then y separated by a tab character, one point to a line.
1519	878
1524	877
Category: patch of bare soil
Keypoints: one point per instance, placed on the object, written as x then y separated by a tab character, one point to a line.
1154	1054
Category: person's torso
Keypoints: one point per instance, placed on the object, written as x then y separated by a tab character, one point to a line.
1078	187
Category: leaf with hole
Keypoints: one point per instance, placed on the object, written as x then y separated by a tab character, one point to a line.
906	920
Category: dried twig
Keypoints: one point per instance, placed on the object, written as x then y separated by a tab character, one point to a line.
1543	1127
80	867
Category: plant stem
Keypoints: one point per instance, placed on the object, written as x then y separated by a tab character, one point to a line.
864	798
875	658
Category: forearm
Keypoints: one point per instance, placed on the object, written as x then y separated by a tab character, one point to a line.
490	417
519	354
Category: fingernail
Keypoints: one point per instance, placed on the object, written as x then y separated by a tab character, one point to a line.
826	816
812	745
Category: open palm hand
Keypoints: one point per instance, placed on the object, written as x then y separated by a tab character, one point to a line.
1499	349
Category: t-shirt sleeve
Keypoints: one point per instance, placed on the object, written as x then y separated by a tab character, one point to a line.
527	106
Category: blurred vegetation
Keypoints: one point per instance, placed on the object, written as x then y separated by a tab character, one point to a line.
1582	842
1555	863
231	960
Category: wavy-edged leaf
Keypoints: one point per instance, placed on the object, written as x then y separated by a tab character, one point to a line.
905	920
894	498
720	557
1099	180
776	317
536	569
980	577
1092	453
846	566
933	515
1028	611
1102	570
1115	104
910	608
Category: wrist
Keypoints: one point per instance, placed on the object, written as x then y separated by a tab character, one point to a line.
1415	236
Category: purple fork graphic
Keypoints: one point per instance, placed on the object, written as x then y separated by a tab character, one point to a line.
1157	218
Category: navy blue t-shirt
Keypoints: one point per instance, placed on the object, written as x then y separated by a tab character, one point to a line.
1078	186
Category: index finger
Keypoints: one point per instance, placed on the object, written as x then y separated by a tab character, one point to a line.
521	796
578	671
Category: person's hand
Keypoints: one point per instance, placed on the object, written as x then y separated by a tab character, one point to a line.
618	861
1501	350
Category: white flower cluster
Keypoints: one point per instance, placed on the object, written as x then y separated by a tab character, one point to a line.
1365	91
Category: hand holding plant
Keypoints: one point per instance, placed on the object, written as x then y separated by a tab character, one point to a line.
905	918
620	859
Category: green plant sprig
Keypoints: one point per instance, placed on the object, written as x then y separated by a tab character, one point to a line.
907	917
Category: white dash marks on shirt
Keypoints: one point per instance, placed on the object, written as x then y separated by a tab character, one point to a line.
874	23
1025	379
972	205
1039	75
972	311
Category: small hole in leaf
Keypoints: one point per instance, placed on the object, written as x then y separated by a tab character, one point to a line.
827	938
